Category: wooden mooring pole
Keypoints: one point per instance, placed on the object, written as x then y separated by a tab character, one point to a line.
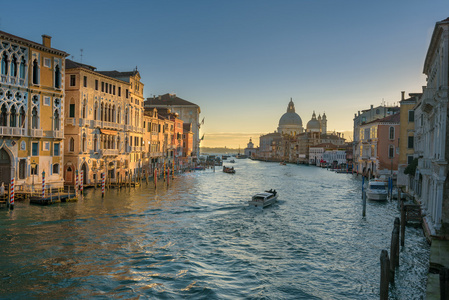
384	275
394	250
403	222
364	203
444	283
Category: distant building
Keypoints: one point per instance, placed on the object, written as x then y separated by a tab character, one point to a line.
187	111
250	150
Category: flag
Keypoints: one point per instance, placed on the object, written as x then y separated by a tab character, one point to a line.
202	122
202	138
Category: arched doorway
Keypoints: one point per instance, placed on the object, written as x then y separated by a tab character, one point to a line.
69	175
5	167
84	169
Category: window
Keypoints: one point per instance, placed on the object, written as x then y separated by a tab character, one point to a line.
46	146
411	116
102	86
391	133
4	64
34	118
71	144
35	72
96	84
126	93
410	142
34	169
72	110
113	89
85	81
46	101
409	159
119	91
56	151
72	80
55	169
57	77
35	148
22	168
47	62
391	151
14	66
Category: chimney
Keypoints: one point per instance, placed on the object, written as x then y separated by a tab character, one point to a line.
402	93
46	40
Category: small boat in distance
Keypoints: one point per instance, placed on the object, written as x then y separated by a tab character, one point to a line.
283	163
264	199
377	190
232	161
228	170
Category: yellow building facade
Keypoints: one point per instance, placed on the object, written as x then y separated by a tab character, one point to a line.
31	112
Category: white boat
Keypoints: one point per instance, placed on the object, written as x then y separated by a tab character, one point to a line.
377	190
264	199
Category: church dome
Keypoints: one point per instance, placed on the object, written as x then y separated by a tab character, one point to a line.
313	124
290	117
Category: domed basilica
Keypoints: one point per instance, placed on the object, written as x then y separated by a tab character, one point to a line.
291	124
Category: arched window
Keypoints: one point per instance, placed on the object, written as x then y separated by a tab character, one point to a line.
13	117
113	119
84	143
72	144
3	116
35	72
34	118
14	66
22	117
4	64
126	117
119	119
95	110
391	133
22	68
57	121
84	109
57	77
95	143
391	151
101	112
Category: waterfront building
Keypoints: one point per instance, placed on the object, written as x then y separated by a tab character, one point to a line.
379	147
335	158
431	133
267	145
103	129
31	112
368	115
250	151
316	153
406	137
187	144
187	111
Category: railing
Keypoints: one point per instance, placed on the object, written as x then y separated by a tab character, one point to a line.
109	152
12	80
58	134
128	127
12	131
97	123
70	121
36	132
84	122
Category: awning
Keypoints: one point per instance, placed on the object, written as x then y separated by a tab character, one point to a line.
110	132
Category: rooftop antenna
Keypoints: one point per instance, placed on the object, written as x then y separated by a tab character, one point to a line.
81	50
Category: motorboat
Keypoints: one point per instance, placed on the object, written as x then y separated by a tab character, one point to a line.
232	161
377	190
264	199
228	170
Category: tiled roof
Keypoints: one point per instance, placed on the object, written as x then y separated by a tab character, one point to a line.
70	64
390	119
167	100
117	74
34	44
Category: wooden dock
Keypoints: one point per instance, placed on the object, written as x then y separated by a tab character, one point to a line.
53	198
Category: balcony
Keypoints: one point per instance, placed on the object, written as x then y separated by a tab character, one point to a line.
84	123
97	123
109	152
128	127
70	121
37	133
58	134
12	131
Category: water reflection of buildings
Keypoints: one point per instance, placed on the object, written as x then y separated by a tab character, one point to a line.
291	142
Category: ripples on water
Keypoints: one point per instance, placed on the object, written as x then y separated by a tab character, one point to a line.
198	239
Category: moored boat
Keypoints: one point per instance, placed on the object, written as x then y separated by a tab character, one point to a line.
377	190
264	199
228	170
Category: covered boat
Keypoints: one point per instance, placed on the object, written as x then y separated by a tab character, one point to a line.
264	199
377	190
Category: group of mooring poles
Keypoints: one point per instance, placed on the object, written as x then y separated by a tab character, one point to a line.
388	264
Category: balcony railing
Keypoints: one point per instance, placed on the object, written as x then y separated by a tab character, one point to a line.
109	152
70	121
58	134
36	132
12	131
97	123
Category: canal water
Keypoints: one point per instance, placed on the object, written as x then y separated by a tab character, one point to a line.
198	239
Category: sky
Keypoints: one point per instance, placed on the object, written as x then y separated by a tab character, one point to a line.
242	60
